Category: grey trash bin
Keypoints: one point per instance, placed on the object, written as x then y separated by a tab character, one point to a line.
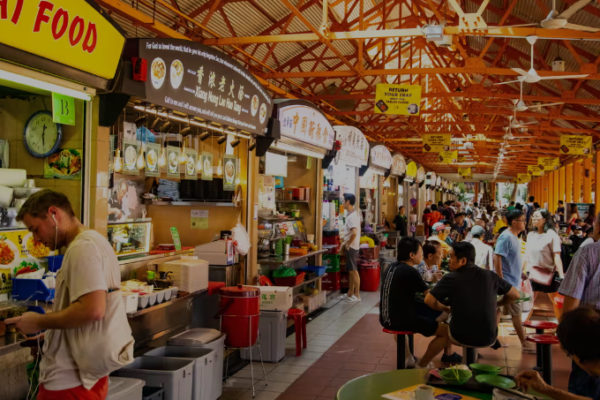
272	326
203	360
124	388
175	375
206	339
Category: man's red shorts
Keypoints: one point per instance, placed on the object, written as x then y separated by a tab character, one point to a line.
98	392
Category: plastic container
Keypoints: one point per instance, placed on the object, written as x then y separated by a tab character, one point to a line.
290	280
344	280
31	289
369	276
320	271
174	375
124	388
331	240
331	282
206	339
202	366
331	262
272	327
55	262
372	253
239	315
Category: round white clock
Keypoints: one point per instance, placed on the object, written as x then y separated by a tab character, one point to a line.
41	135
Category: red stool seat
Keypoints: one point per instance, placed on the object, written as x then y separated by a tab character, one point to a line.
299	317
542	339
400	346
540	324
398	332
559	299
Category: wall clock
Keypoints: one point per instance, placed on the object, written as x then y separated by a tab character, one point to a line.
41	135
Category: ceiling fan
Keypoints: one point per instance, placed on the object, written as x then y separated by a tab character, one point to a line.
554	20
519	105
532	76
474	21
514	123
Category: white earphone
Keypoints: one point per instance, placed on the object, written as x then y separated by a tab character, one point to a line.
55	223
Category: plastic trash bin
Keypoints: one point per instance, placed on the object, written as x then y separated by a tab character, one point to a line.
206	339
124	388
174	375
203	361
272	326
153	393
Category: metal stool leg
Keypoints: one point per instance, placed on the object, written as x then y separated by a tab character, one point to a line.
411	344
401	352
226	364
298	328
250	352
539	354
261	362
471	355
547	359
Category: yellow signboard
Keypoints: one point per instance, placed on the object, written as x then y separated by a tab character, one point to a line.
397	99
575	144
411	170
549	163
523	178
436	143
465	172
448	157
535	170
461	158
70	32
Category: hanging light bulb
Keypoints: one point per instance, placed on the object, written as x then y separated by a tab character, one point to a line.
141	161
219	169
199	164
237	180
182	156
118	161
162	159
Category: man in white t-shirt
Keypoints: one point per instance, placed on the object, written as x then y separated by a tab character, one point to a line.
351	245
484	254
87	333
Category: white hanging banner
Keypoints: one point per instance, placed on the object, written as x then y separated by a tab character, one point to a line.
306	124
398	165
355	147
381	157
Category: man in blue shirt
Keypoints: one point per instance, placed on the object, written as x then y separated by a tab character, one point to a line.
508	265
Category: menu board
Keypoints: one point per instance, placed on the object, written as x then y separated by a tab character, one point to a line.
129	238
355	147
199	80
306	124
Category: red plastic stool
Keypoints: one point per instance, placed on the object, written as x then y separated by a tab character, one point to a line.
401	346
299	317
543	343
540	327
559	299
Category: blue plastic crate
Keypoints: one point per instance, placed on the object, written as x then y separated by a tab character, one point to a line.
31	289
55	262
320	271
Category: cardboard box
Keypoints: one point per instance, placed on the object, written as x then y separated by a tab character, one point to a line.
276	298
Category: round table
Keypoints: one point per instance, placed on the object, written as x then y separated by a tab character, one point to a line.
372	387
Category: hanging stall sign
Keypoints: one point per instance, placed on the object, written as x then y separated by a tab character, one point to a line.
397	99
398	165
575	144
78	34
306	124
355	147
448	157
152	153
380	157
523	178
436	143
207	163
190	164
535	170
130	155
198	80
421	174
438	183
411	170
465	172
549	163
431	180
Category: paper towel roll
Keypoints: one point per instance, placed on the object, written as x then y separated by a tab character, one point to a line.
13	177
424	392
6	196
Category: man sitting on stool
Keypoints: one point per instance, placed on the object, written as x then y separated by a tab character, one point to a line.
471	292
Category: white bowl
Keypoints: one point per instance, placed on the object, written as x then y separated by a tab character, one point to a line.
168	294
142	302
160	296
174	291
152	297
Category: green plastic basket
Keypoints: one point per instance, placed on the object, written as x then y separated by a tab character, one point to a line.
449	376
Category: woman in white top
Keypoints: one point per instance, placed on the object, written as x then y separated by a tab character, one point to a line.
543	250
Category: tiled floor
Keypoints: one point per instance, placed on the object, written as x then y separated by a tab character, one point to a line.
346	342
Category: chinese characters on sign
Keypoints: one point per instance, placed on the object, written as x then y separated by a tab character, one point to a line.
355	147
381	157
306	124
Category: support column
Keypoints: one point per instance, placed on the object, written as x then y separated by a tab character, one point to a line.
597	177
544	190
587	180
557	197
551	198
577	180
569	185
562	184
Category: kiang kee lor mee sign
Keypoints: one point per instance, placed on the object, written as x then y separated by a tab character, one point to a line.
72	33
397	99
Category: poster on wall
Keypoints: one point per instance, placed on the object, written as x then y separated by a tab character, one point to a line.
549	163
266	192
64	164
576	144
152	153
397	99
523	178
355	147
448	157
173	154
207	163
202	81
436	143
130	155
190	164
124	199
230	172
306	124
535	170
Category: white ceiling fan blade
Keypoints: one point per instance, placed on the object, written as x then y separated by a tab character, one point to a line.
569	12
511	26
504	83
527	123
564	77
581	28
520	71
548	105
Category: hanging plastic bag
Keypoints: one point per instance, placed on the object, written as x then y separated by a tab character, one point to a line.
241	240
527	292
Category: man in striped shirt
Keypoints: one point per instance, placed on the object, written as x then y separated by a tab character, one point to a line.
581	288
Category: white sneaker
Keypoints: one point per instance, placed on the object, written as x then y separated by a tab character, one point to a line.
429	366
352	299
343	297
410	362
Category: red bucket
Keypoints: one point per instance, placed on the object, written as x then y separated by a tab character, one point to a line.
369	276
240	313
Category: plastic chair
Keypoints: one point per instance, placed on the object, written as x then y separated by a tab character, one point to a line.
299	317
544	343
401	346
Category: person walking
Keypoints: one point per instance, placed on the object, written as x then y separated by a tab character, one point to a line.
351	245
581	288
543	259
508	265
484	254
401	222
87	333
560	211
529	210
